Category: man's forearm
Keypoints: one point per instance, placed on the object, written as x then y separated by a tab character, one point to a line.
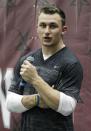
48	94
54	99
19	103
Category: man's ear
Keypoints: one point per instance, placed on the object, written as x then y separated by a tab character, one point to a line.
64	30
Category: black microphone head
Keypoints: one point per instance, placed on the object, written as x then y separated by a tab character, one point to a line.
30	58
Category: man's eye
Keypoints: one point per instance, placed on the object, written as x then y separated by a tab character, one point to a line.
53	26
43	25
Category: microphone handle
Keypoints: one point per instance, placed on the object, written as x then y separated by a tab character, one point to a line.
22	82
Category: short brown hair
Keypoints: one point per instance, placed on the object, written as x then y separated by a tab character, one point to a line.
52	10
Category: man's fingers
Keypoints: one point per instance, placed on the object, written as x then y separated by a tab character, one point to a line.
22	66
52	86
26	62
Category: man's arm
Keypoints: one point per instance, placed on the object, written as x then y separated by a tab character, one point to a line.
50	96
20	103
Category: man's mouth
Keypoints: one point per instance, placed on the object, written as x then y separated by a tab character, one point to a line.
47	39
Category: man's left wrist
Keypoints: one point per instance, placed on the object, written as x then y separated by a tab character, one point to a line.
36	81
37	100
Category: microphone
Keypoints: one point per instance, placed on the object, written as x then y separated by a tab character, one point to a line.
23	82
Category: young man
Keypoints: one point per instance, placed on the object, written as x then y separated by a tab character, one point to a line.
46	88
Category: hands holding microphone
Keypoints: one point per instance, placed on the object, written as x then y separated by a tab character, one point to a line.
29	74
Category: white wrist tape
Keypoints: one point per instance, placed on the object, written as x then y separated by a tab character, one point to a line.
14	104
67	104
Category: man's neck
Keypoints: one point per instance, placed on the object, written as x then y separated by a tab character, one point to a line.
49	51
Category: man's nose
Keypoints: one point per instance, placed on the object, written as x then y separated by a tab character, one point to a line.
47	30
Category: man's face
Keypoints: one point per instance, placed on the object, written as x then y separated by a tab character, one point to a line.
49	29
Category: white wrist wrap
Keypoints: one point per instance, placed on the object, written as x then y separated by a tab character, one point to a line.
14	104
67	104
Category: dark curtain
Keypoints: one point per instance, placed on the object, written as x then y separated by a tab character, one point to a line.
18	36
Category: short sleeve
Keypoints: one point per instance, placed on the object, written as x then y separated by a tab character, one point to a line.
71	80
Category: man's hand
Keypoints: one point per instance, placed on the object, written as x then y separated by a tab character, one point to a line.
28	72
29	101
42	104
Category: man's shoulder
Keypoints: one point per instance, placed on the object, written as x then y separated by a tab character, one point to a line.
70	57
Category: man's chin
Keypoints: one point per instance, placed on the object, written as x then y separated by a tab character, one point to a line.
47	44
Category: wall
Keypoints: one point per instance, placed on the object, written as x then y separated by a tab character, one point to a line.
18	36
